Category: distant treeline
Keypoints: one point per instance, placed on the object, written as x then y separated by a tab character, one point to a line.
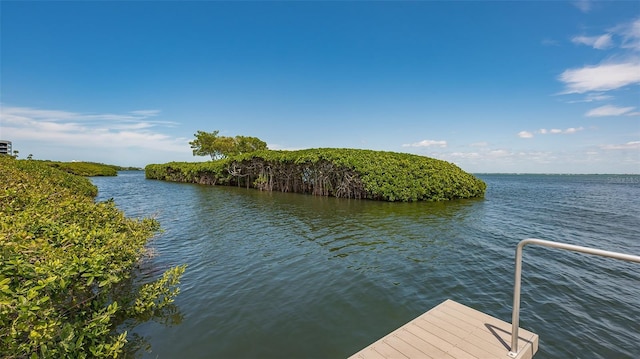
89	169
343	173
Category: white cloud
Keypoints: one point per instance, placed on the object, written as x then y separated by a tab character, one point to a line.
593	97
480	144
597	42
596	97
278	147
630	33
620	70
61	116
633	145
427	143
95	132
622	158
557	131
465	155
609	110
146	113
571	130
553	131
525	134
603	77
583	5
499	153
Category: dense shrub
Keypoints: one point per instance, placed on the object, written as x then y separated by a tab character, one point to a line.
66	264
346	173
87	169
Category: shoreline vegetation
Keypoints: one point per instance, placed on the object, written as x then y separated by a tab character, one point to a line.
335	172
68	284
89	169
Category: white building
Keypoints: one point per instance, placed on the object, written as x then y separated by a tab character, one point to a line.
5	147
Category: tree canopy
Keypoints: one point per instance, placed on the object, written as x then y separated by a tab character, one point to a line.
211	144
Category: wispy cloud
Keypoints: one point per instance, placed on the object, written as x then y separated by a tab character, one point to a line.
427	143
486	154
630	34
464	155
557	131
621	69
621	158
593	97
9	112
603	77
146	113
550	42
583	5
507	157
132	130
552	131
632	145
278	147
525	134
597	42
571	130
609	110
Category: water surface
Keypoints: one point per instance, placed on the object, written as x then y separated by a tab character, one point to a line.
276	275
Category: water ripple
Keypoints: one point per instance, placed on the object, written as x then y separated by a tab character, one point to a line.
286	275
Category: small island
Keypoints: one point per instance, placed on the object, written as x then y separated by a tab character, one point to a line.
89	169
335	172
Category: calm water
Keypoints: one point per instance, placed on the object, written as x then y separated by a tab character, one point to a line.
273	275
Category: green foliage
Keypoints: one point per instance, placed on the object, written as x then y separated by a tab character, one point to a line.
210	144
348	173
246	144
154	296
86	169
205	144
66	264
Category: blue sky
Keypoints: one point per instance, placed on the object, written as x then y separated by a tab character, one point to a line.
527	87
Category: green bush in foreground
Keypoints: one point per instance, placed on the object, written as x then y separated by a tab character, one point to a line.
344	173
66	265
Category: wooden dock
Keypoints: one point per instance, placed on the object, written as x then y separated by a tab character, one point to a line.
452	330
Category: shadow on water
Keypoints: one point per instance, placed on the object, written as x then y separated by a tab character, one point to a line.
168	316
337	223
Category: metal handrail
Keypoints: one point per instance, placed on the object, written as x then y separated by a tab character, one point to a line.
516	288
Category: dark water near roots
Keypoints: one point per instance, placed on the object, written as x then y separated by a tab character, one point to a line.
273	275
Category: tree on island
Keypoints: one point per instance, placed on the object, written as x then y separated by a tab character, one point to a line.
210	144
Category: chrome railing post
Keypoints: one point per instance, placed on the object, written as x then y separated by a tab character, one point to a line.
515	315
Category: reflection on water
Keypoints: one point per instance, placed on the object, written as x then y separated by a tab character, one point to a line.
288	275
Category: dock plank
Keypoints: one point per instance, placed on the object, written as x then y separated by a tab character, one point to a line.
455	336
487	327
451	330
